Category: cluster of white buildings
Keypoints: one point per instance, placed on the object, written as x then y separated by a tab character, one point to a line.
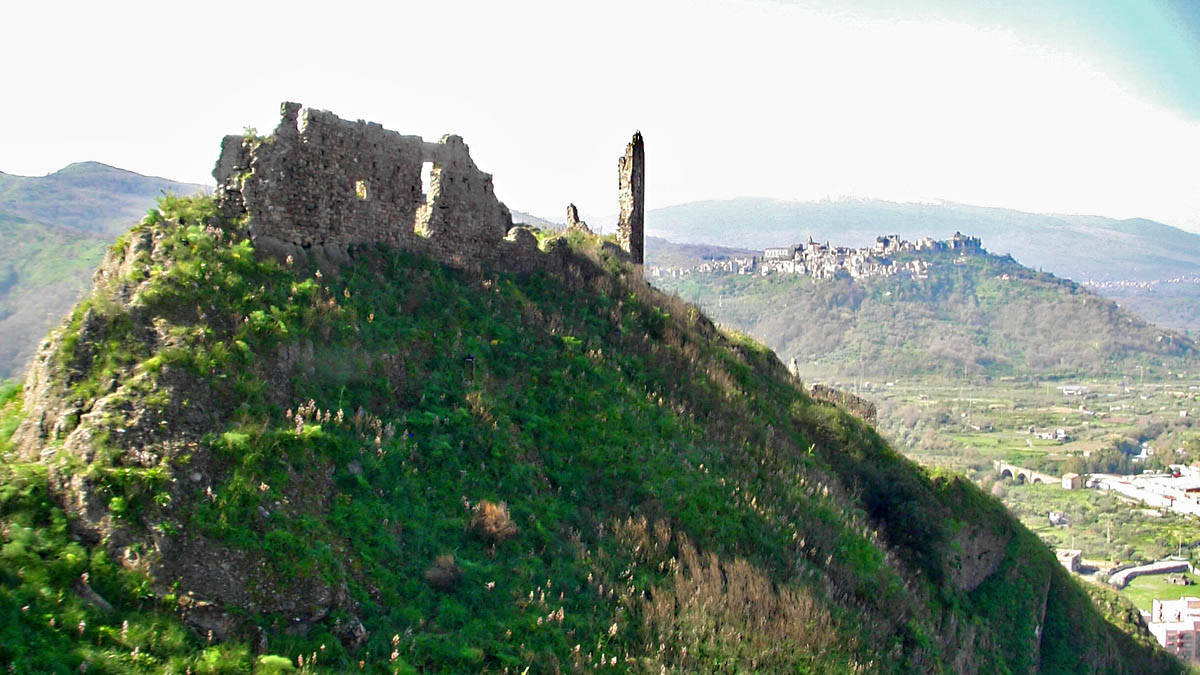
1178	491
823	261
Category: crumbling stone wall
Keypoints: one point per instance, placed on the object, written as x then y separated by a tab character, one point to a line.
855	404
631	181
323	184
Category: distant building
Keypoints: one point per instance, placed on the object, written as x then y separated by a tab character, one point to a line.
1174	623
780	253
1074	390
1069	558
1072	481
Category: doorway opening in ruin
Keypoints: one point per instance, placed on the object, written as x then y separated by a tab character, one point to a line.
426	178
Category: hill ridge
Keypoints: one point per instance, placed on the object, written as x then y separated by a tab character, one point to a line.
417	464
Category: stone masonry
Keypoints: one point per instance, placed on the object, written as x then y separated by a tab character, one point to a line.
631	180
573	221
320	186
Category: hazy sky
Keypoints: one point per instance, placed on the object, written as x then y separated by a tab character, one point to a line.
1050	106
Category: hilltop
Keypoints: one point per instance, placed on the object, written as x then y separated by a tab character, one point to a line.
975	314
53	232
269	440
1085	249
87	197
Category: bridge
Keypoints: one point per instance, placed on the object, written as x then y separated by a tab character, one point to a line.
1023	475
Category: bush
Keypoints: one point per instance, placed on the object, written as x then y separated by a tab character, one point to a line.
492	523
443	574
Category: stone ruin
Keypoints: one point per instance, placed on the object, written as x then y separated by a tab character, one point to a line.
631	179
857	405
320	186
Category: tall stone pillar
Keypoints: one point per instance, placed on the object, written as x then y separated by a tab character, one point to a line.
631	180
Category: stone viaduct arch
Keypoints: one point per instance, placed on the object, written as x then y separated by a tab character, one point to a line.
1023	475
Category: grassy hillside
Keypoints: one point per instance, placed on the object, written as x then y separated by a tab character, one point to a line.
398	466
43	271
974	315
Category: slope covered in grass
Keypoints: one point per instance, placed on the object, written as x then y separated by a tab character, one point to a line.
399	465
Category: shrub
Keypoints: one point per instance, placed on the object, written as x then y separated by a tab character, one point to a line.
443	574
492	523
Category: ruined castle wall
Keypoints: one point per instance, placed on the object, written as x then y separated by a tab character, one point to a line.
462	207
321	185
321	182
631	181
855	404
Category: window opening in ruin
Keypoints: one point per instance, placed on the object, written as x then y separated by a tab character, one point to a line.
426	177
360	189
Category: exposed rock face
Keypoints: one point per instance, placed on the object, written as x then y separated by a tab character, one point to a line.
631	180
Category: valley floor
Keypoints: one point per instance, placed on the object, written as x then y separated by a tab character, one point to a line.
1107	430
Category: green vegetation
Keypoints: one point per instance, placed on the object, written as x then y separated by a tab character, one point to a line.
490	472
1144	589
63	604
1101	525
974	316
966	427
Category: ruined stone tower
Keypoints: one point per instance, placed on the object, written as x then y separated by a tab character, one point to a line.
631	179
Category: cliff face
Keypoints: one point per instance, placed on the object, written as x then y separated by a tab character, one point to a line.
405	463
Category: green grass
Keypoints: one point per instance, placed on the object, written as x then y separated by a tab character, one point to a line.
679	503
1141	591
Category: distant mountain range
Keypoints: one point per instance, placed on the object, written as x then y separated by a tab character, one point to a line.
87	197
1081	248
53	230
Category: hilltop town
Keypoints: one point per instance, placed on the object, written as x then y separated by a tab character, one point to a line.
823	261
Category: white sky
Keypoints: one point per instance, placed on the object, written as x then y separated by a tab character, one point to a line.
734	98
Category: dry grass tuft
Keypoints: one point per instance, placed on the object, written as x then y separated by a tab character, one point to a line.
492	523
443	574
